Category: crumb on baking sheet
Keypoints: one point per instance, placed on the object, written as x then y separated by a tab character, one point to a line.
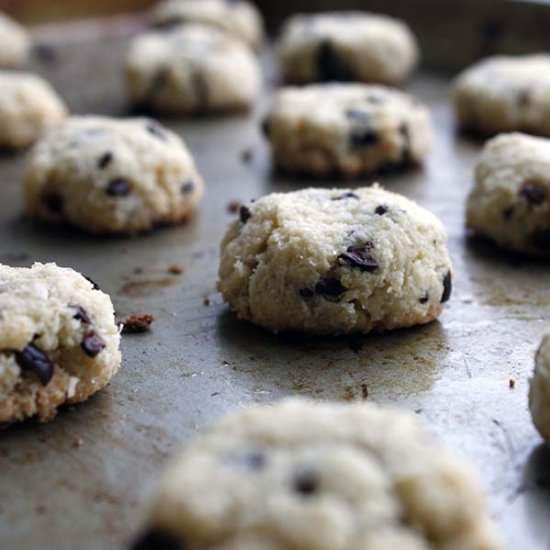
175	269
206	301
135	324
247	155
233	206
511	383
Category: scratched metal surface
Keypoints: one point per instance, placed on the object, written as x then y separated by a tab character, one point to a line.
81	481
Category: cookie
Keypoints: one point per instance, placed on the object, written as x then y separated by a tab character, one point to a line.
111	176
238	18
539	390
16	43
28	106
59	343
505	94
335	261
346	46
346	130
191	69
319	476
510	200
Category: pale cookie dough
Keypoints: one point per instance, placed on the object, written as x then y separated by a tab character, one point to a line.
346	130
301	475
347	46
112	176
539	391
59	343
15	43
335	261
510	200
505	94
28	106
193	69
239	18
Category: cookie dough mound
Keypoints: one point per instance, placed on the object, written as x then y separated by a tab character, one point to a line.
28	106
346	129
16	43
191	69
111	176
510	201
59	343
304	475
347	46
239	18
539	391
335	261
505	94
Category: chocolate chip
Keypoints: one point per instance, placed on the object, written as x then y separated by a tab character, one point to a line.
306	482
541	239
187	187
360	257
92	345
306	293
53	202
95	286
35	360
425	299
348	195
361	138
330	65
329	288
155	539
105	160
156	130
447	287
507	214
534	192
80	314
381	209
118	187
244	214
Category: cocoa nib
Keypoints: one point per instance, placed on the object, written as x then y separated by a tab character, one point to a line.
35	360
360	257
92	345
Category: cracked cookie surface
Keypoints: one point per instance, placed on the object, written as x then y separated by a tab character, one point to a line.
59	343
111	176
335	261
300	475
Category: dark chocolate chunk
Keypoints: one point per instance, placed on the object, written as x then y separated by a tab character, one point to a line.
187	187
156	130
105	160
447	287
534	192
35	360
306	482
508	213
244	214
361	138
53	202
360	257
425	299
81	314
93	344
348	195
118	187
541	239
306	293
155	539
329	288
330	65
95	286
381	209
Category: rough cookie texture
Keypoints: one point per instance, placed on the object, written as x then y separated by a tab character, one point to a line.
346	129
510	201
347	46
335	261
28	106
505	94
111	176
311	476
539	391
58	340
16	43
191	69
239	18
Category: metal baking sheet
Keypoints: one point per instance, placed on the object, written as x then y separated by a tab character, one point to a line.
82	480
